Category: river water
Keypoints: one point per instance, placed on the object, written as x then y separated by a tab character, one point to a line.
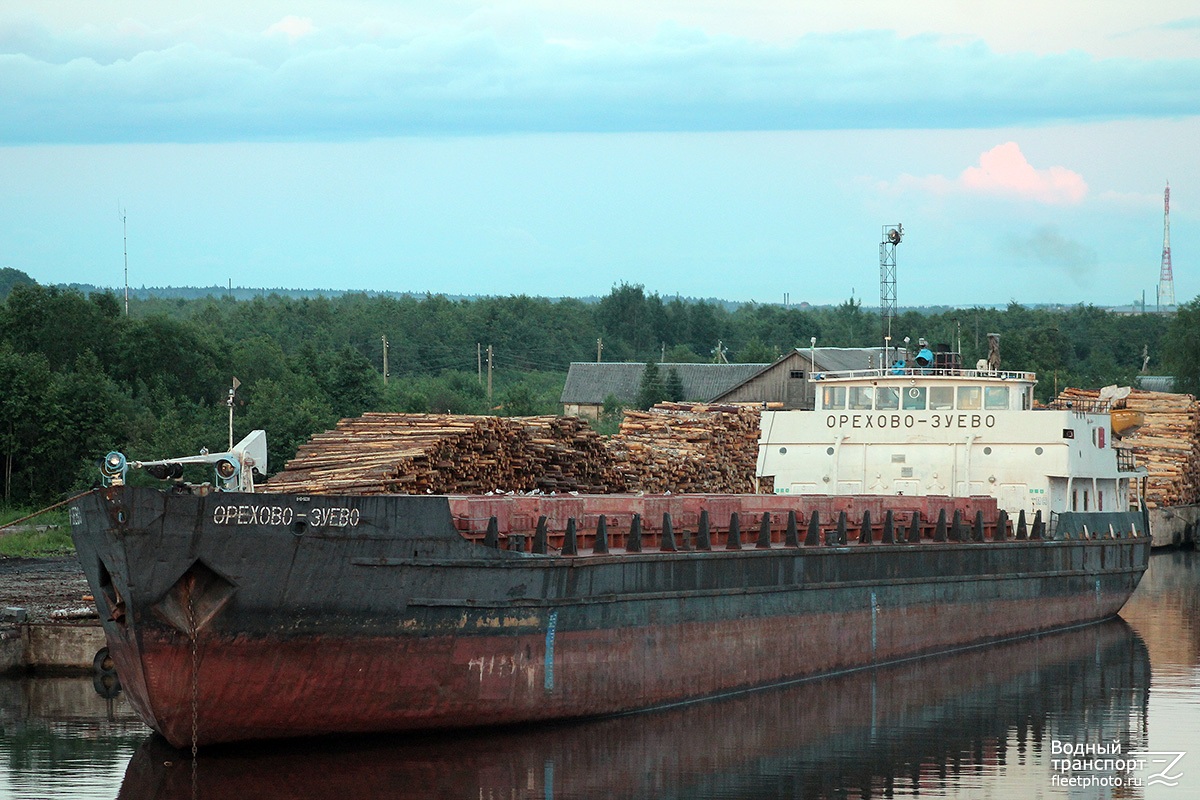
991	722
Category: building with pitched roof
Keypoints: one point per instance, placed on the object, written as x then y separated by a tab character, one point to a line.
782	384
590	383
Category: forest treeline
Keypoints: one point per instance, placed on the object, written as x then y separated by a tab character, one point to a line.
79	378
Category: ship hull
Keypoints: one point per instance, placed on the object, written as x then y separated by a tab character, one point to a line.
264	616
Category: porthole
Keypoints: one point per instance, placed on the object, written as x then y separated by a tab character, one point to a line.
987	451
1038	450
829	451
782	451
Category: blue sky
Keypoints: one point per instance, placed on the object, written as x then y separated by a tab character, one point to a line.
558	148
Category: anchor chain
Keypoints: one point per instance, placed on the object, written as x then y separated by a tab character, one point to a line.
191	614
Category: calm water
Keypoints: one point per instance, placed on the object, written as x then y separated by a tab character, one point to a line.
984	723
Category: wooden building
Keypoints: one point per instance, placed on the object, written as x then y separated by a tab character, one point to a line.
783	384
590	383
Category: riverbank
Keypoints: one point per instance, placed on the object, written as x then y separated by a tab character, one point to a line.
47	618
44	586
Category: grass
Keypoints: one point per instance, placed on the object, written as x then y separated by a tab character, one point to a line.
28	542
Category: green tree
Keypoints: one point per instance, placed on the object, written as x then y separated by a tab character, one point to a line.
652	388
518	400
353	385
174	353
755	352
10	277
290	411
682	354
628	321
61	324
674	386
87	414
24	379
611	414
1183	348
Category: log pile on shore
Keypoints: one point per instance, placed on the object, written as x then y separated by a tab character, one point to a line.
1168	443
674	447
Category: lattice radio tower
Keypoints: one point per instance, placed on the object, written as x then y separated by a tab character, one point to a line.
1166	280
887	277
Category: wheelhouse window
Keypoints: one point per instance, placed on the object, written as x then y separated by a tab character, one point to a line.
887	398
914	398
970	398
861	397
833	397
941	398
995	398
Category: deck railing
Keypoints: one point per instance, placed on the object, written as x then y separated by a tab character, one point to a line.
1082	406
1126	462
922	372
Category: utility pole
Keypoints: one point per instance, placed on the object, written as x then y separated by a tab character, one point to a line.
479	361
385	354
489	388
599	349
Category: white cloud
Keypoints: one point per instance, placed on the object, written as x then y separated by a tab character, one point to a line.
1003	172
292	27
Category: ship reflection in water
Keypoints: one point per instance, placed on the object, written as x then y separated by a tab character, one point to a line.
984	720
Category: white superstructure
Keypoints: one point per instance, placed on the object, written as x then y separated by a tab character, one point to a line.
916	430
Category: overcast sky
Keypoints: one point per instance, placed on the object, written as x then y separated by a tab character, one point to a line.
736	150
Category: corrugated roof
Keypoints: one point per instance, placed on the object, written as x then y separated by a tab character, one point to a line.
838	359
591	382
1156	383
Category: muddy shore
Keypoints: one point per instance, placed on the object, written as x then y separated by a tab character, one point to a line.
43	586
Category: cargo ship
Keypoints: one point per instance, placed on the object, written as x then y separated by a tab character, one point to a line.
235	614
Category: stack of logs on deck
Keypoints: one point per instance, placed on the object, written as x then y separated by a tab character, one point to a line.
1168	444
443	453
562	455
683	447
674	447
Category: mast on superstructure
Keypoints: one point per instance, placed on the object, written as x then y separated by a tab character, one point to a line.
887	277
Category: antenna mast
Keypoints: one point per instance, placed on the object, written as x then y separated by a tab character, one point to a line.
1166	280
125	242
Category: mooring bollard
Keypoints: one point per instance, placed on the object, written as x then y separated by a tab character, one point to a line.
791	536
570	539
734	540
601	543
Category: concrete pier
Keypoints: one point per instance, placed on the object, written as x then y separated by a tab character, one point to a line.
44	646
1174	526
